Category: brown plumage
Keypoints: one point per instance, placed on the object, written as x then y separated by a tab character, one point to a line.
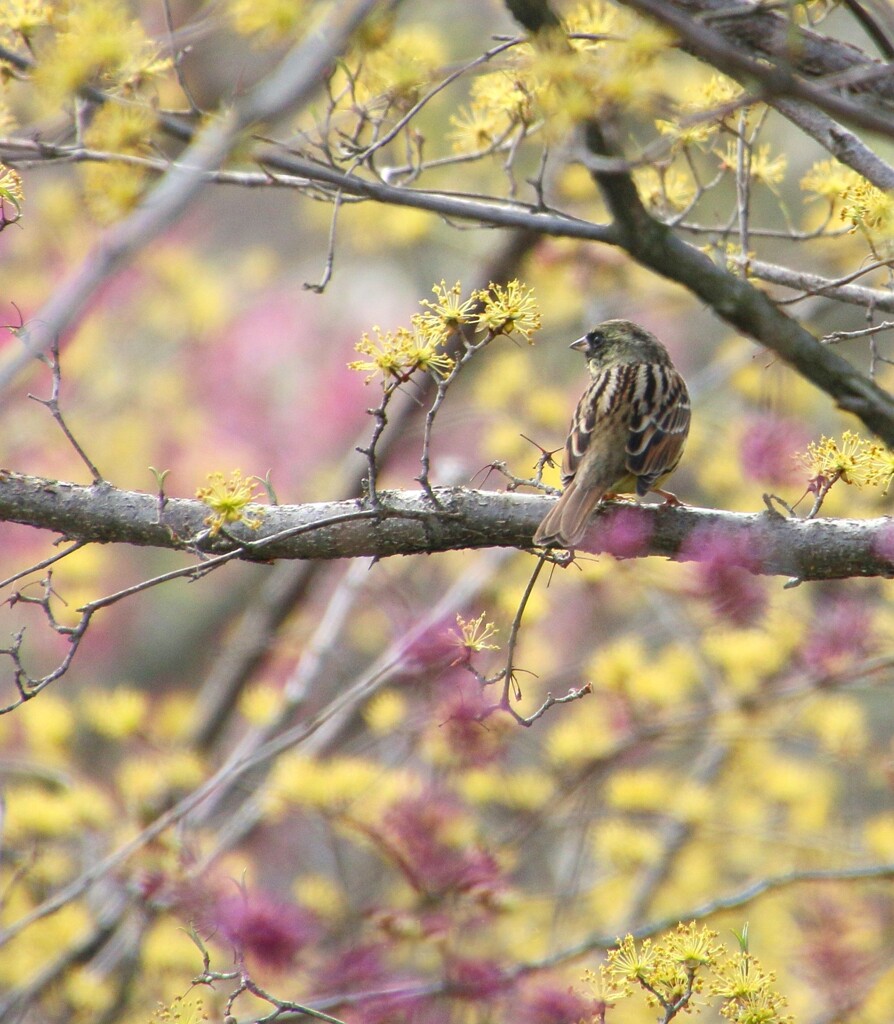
628	431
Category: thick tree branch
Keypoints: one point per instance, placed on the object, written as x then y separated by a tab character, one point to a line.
409	523
769	52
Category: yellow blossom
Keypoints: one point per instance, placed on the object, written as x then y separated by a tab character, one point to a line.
385	712
582	739
878	836
505	91
259	703
11	189
449	311
670	190
121	128
398	354
23	17
509	309
839	724
627	962
602	987
48	724
829	179
167	947
640	789
270	20
112	190
747	991
88	992
228	499
625	846
97	42
406	60
319	893
475	634
868	208
117	713
477	128
853	460
762	168
692	946
593	18
187	1009
145	780
688	127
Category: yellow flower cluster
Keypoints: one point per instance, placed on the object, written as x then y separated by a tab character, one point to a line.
11	187
396	355
868	208
269	20
829	179
569	82
509	310
228	499
97	42
673	971
498	101
762	168
853	459
857	202
687	128
113	189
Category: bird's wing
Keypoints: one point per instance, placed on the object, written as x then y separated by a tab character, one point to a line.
659	423
605	400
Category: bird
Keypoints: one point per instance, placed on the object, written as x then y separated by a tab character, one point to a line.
627	433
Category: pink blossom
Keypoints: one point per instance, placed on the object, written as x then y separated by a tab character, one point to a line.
400	1008
768	448
550	1004
419	828
476	979
262	927
840	632
883	544
725	574
432	651
623	531
353	969
461	715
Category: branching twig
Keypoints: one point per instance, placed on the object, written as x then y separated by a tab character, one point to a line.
52	403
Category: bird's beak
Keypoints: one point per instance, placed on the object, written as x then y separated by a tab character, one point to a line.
579	345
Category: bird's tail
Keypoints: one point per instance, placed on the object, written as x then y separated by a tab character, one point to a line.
566	522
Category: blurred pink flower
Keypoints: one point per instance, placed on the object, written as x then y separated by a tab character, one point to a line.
884	542
420	827
768	448
550	1004
353	969
840	633
432	651
724	574
460	715
623	531
398	1008
476	979
263	928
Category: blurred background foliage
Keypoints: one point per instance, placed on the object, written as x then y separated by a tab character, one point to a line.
408	861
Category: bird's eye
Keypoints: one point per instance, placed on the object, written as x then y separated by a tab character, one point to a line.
595	338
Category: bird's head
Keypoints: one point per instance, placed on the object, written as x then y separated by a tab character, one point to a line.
620	341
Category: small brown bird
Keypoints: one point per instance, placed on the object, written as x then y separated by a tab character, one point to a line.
628	430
